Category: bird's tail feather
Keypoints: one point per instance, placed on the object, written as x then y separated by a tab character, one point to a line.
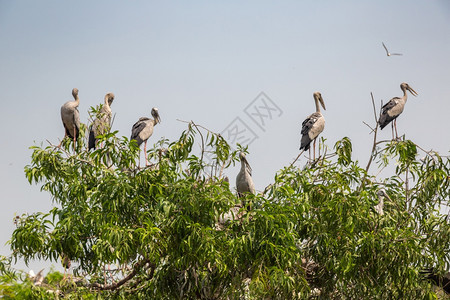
91	140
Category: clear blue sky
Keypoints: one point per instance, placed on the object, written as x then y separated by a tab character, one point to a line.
207	61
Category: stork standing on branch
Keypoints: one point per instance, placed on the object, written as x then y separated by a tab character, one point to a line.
379	208
66	263
71	117
391	110
313	126
102	123
143	129
244	181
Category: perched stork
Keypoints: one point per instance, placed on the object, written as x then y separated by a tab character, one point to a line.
66	263
391	110
102	123
313	126
379	208
143	129
71	117
244	181
389	53
38	278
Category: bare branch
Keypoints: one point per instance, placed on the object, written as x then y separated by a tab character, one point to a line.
296	158
374	136
203	141
189	122
372	129
121	282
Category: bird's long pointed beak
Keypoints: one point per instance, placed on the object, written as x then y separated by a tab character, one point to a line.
247	165
386	196
413	92
249	168
321	102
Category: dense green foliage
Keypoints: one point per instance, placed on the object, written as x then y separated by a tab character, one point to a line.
154	232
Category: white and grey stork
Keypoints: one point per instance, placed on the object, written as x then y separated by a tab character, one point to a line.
244	181
313	126
143	129
379	208
391	110
71	117
102	123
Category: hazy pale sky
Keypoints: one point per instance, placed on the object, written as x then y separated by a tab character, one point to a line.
209	61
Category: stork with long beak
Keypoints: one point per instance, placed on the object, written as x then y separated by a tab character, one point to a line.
102	123
143	129
244	181
391	110
313	126
71	117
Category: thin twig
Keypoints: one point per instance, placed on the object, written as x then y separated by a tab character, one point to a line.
297	158
372	129
374	137
121	282
223	167
188	122
203	142
407	185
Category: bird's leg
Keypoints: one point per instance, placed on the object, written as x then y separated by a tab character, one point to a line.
395	126
314	151
60	143
392	129
309	153
145	153
74	138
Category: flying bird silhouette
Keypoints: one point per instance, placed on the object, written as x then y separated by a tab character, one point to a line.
387	51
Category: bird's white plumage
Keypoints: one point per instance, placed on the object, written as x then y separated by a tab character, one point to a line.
314	124
391	110
244	181
143	129
102	123
70	116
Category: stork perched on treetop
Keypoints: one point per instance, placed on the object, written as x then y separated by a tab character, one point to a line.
102	123
379	208
244	181
71	117
313	126
143	129
391	110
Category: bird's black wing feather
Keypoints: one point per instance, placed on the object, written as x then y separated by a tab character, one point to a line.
306	127
91	138
385	118
309	122
390	104
137	128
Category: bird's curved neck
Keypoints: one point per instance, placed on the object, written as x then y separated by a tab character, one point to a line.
317	105
77	99
405	95
243	166
106	102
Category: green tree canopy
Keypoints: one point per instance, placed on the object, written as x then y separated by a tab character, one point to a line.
165	231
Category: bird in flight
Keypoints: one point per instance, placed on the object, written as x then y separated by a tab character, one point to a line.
387	51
